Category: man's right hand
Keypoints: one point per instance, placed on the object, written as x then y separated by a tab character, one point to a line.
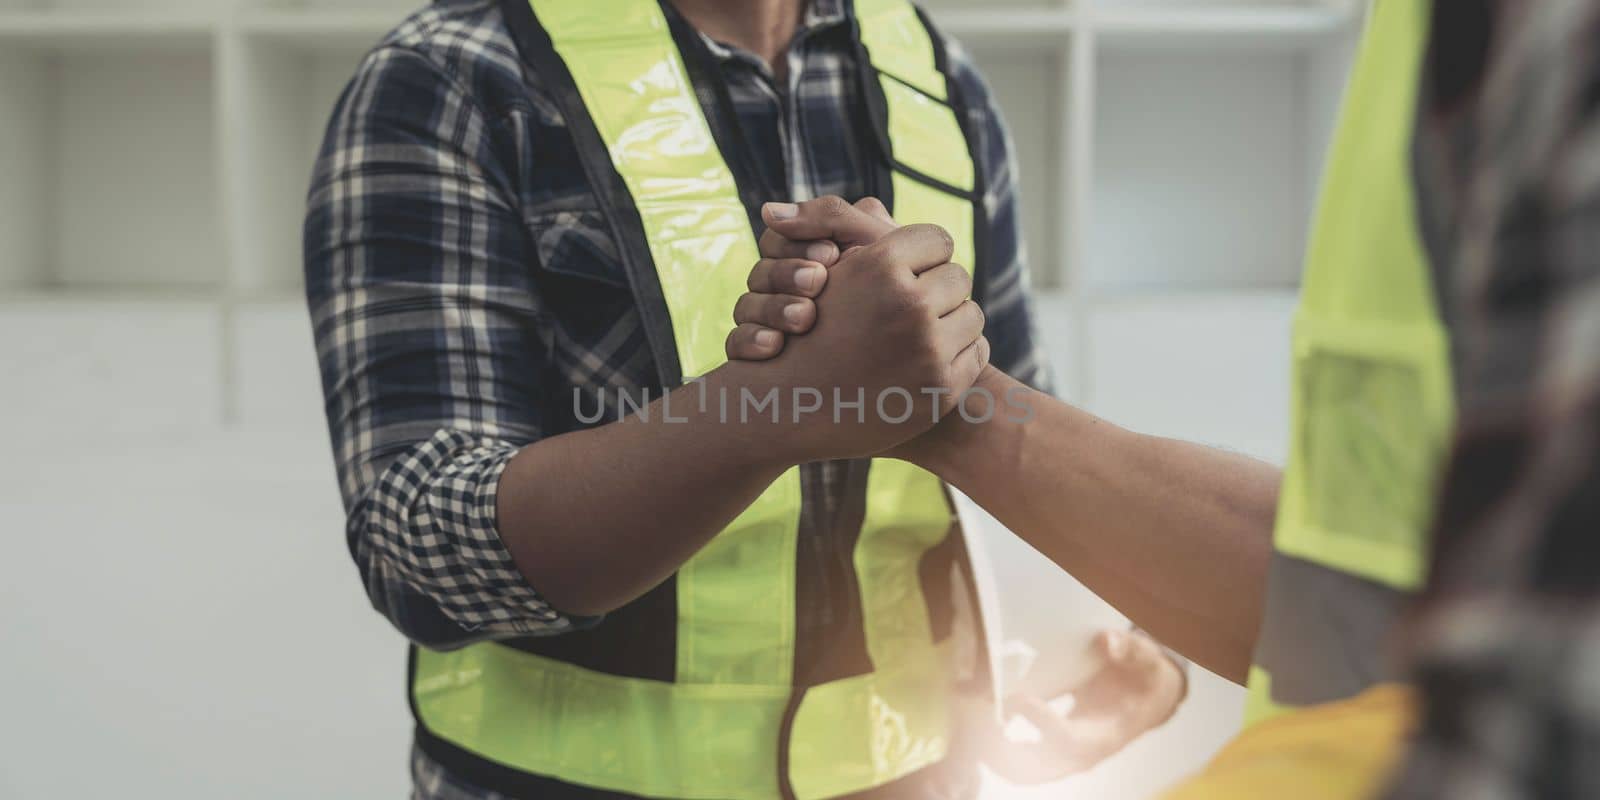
797	249
895	324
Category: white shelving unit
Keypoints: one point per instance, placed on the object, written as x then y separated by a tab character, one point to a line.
1172	151
159	149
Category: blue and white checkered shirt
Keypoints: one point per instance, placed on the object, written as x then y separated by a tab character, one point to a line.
462	282
1504	644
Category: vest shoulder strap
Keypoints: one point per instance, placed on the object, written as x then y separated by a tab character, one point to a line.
921	123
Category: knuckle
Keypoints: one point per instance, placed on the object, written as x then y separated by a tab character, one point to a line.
876	274
770	243
919	302
880	254
952	278
901	298
833	205
936	234
776	279
772	311
743	308
785	278
961	278
758	275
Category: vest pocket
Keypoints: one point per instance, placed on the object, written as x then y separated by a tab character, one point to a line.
1359	492
576	243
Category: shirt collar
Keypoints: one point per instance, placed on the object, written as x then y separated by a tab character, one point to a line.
819	15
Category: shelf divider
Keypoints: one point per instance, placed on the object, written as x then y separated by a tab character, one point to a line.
116	29
1034	26
1077	184
1287	28
318	27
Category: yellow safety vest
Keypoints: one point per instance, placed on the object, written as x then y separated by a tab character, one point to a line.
728	717
1373	400
1373	405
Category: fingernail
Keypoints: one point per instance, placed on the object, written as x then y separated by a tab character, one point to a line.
821	252
768	339
808	278
795	313
782	210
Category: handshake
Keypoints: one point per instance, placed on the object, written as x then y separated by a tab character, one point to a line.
848	306
845	298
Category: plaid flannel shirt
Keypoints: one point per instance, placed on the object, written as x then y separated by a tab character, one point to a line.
462	283
1505	643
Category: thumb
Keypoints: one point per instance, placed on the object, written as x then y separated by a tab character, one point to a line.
1115	646
1133	652
828	217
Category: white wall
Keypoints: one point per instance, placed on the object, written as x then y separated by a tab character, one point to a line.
181	620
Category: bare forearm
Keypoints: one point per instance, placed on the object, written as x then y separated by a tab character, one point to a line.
1175	535
598	517
595	519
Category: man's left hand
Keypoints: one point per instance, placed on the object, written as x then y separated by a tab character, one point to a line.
1138	688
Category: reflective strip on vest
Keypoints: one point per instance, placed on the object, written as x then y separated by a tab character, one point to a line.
925	132
714	732
1371	393
637	90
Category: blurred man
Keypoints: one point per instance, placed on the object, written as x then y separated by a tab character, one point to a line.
1503	643
527	225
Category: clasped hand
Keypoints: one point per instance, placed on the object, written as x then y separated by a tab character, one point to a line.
896	312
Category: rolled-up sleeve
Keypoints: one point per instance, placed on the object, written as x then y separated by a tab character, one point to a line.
423	307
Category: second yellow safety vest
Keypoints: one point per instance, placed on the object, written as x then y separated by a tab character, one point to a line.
1373	401
719	708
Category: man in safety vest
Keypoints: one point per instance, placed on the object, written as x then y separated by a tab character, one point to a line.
628	568
1176	535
